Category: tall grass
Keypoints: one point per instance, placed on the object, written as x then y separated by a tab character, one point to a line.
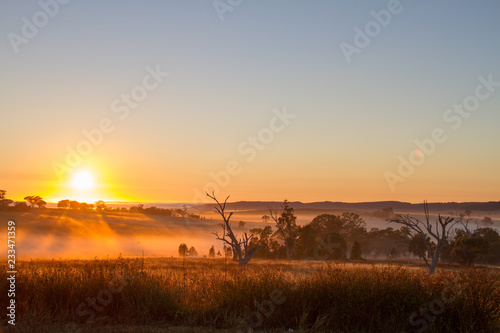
265	295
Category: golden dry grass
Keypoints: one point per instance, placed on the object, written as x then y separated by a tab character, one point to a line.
151	295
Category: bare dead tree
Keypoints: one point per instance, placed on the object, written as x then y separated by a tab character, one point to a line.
242	255
439	231
465	224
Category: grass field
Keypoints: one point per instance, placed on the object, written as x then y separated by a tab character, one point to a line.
199	295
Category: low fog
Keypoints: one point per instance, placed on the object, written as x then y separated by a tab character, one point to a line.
67	234
64	234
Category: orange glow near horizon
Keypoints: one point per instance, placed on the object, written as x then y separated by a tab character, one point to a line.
116	178
88	184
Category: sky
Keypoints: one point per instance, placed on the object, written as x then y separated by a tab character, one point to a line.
151	101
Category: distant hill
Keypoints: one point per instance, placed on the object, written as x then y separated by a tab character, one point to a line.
397	206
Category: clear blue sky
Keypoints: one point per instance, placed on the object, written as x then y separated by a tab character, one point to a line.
352	120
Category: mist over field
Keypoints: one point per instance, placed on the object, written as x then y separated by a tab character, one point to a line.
61	233
66	234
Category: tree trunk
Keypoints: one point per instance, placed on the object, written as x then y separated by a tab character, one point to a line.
287	249
248	256
434	262
432	268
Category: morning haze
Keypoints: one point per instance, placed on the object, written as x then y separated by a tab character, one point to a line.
250	166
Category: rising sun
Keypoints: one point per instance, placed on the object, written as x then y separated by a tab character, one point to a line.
82	180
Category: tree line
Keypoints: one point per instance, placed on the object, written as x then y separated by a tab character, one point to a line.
30	202
99	206
342	237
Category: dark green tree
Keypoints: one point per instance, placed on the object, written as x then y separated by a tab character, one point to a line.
21	206
211	252
493	238
356	253
487	221
394	253
73	204
467	249
41	203
286	222
183	249
100	205
63	203
331	247
418	246
192	252
4	202
34	200
265	238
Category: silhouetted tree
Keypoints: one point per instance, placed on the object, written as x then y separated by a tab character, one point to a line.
493	237
33	200
183	249
439	231
265	218
63	203
468	247
41	203
385	213
356	251
241	224
228	251
73	204
418	246
381	241
192	252
100	205
487	221
85	206
349	225
394	253
211	252
4	202
264	238
286	223
242	255
333	246
21	206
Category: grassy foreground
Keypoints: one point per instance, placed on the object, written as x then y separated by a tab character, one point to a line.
199	295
